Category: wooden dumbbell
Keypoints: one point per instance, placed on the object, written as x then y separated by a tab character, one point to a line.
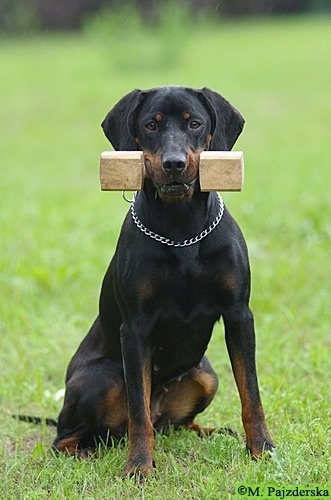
218	171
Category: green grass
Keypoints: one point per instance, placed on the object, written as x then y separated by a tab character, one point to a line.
58	232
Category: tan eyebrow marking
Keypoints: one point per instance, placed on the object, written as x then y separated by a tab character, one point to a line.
158	117
186	115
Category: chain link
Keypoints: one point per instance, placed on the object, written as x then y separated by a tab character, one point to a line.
171	243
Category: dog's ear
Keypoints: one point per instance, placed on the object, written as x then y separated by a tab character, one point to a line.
227	122
118	125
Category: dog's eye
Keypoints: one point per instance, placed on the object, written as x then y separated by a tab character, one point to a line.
195	124
150	126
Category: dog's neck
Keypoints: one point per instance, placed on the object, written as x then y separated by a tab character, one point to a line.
173	219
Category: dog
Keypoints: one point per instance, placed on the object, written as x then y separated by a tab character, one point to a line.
180	265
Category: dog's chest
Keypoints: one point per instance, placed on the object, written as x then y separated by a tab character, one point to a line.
190	306
188	265
189	286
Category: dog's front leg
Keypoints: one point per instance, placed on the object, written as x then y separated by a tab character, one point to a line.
240	341
136	353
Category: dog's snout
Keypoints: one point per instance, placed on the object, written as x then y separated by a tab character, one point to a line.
174	164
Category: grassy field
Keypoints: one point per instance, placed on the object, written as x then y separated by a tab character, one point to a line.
58	232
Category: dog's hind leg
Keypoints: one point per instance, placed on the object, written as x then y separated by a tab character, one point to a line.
94	409
182	398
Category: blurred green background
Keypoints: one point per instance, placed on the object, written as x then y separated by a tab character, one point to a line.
58	231
26	15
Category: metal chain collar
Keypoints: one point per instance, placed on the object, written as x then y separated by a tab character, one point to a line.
171	243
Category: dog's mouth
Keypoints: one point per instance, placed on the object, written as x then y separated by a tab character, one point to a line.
175	189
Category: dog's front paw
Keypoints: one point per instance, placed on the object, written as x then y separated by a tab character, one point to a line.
260	447
138	471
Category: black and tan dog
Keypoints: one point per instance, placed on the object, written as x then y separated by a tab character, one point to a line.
180	265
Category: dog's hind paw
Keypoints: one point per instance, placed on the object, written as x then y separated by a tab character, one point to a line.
207	431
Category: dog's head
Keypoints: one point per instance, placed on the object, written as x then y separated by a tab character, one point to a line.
172	126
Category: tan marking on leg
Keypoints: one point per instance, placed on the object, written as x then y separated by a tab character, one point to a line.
141	436
69	445
181	397
115	408
200	431
252	413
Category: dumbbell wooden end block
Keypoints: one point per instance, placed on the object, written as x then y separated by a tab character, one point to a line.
122	170
218	171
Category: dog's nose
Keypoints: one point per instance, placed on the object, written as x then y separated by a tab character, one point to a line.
174	164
